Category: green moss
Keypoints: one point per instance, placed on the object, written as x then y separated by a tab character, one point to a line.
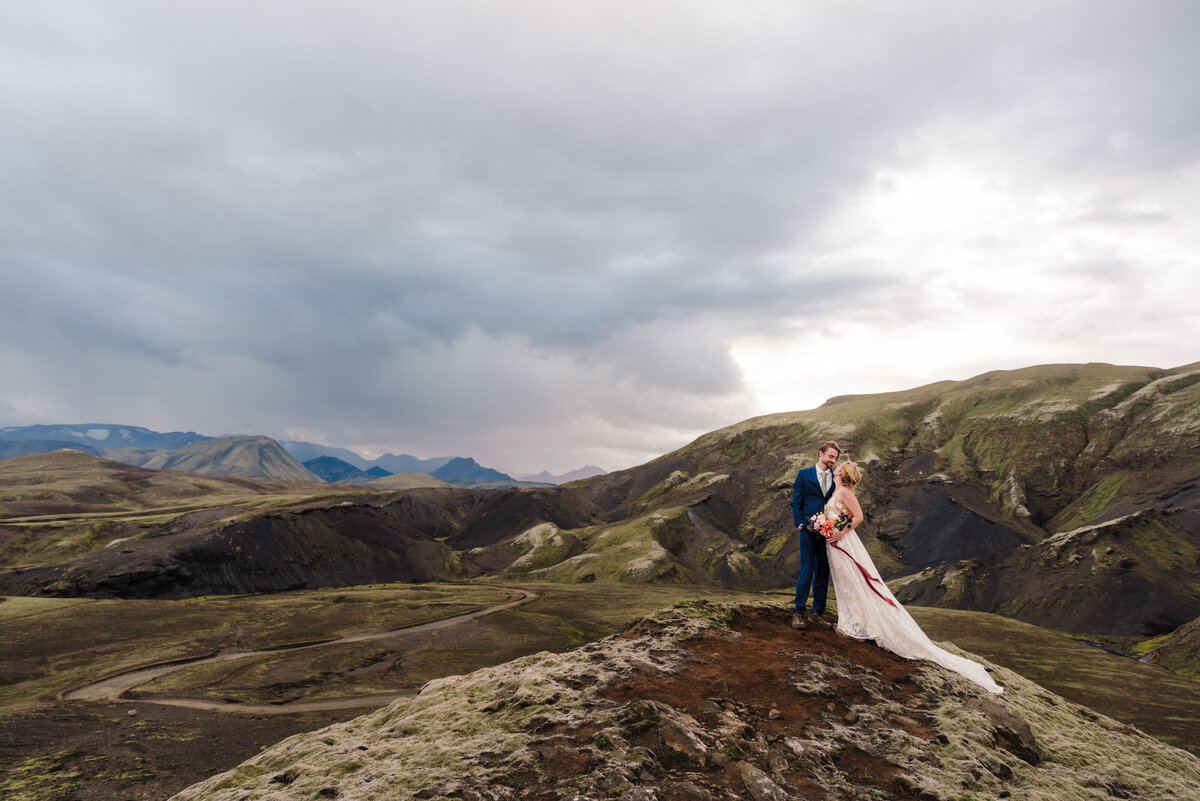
708	610
1093	503
773	546
1147	646
1165	548
628	551
37	778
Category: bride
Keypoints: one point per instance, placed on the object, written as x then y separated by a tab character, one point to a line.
866	608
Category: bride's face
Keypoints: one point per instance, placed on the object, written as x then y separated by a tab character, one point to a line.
837	475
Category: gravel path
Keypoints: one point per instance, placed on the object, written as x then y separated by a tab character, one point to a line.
113	687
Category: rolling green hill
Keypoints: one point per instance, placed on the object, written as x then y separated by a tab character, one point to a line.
66	503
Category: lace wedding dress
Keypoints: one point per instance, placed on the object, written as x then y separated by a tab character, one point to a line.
865	611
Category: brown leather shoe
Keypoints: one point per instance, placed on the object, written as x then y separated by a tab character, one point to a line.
798	620
815	617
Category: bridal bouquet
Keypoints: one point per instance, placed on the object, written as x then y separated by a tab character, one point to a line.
826	524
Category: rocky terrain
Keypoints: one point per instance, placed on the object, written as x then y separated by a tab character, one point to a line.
708	701
1062	495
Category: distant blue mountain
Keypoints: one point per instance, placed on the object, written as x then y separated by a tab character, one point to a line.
332	463
10	448
462	469
389	462
307	451
403	463
334	470
101	435
546	477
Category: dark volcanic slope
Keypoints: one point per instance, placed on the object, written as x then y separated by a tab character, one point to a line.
416	535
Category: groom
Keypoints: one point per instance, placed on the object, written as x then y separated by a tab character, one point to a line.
813	487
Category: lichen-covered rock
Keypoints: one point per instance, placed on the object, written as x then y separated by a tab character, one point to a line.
873	726
1009	730
759	784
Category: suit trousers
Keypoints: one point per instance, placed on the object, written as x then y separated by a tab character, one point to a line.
814	572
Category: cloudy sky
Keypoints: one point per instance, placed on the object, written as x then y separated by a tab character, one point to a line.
546	233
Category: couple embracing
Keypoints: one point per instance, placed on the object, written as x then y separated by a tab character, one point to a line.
826	512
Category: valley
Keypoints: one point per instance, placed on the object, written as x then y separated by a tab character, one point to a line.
1020	514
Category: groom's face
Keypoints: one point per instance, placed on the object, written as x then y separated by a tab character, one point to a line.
826	458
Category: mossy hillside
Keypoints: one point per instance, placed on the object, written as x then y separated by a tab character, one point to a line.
437	737
627	551
1085	755
466	734
1166	424
52	644
1099	499
1164	703
1179	651
540	546
677	486
64	504
1134	577
66	483
543	545
1006	429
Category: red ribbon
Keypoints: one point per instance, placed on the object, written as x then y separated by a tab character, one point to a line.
865	574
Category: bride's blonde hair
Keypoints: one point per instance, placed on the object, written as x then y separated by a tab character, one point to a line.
851	474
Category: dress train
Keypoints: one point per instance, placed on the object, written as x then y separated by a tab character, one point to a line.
865	612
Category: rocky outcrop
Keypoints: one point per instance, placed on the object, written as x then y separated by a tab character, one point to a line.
712	702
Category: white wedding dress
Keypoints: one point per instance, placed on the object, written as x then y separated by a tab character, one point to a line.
864	614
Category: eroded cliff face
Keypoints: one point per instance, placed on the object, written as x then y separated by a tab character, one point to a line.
706	702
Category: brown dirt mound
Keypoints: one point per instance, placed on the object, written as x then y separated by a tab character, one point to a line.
744	681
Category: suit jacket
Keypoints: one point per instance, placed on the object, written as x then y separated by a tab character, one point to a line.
807	498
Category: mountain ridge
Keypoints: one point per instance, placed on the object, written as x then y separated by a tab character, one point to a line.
338	471
973	491
142	446
546	477
245	457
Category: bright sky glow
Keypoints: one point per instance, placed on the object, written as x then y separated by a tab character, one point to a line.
546	234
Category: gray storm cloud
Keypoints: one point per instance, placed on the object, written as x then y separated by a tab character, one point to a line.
546	233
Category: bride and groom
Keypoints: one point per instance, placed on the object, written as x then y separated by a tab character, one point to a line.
826	512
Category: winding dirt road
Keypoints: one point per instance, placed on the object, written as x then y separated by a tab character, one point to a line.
113	687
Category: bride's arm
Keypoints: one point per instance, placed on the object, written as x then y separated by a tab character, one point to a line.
852	505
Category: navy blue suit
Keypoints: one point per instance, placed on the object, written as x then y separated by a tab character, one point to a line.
807	500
